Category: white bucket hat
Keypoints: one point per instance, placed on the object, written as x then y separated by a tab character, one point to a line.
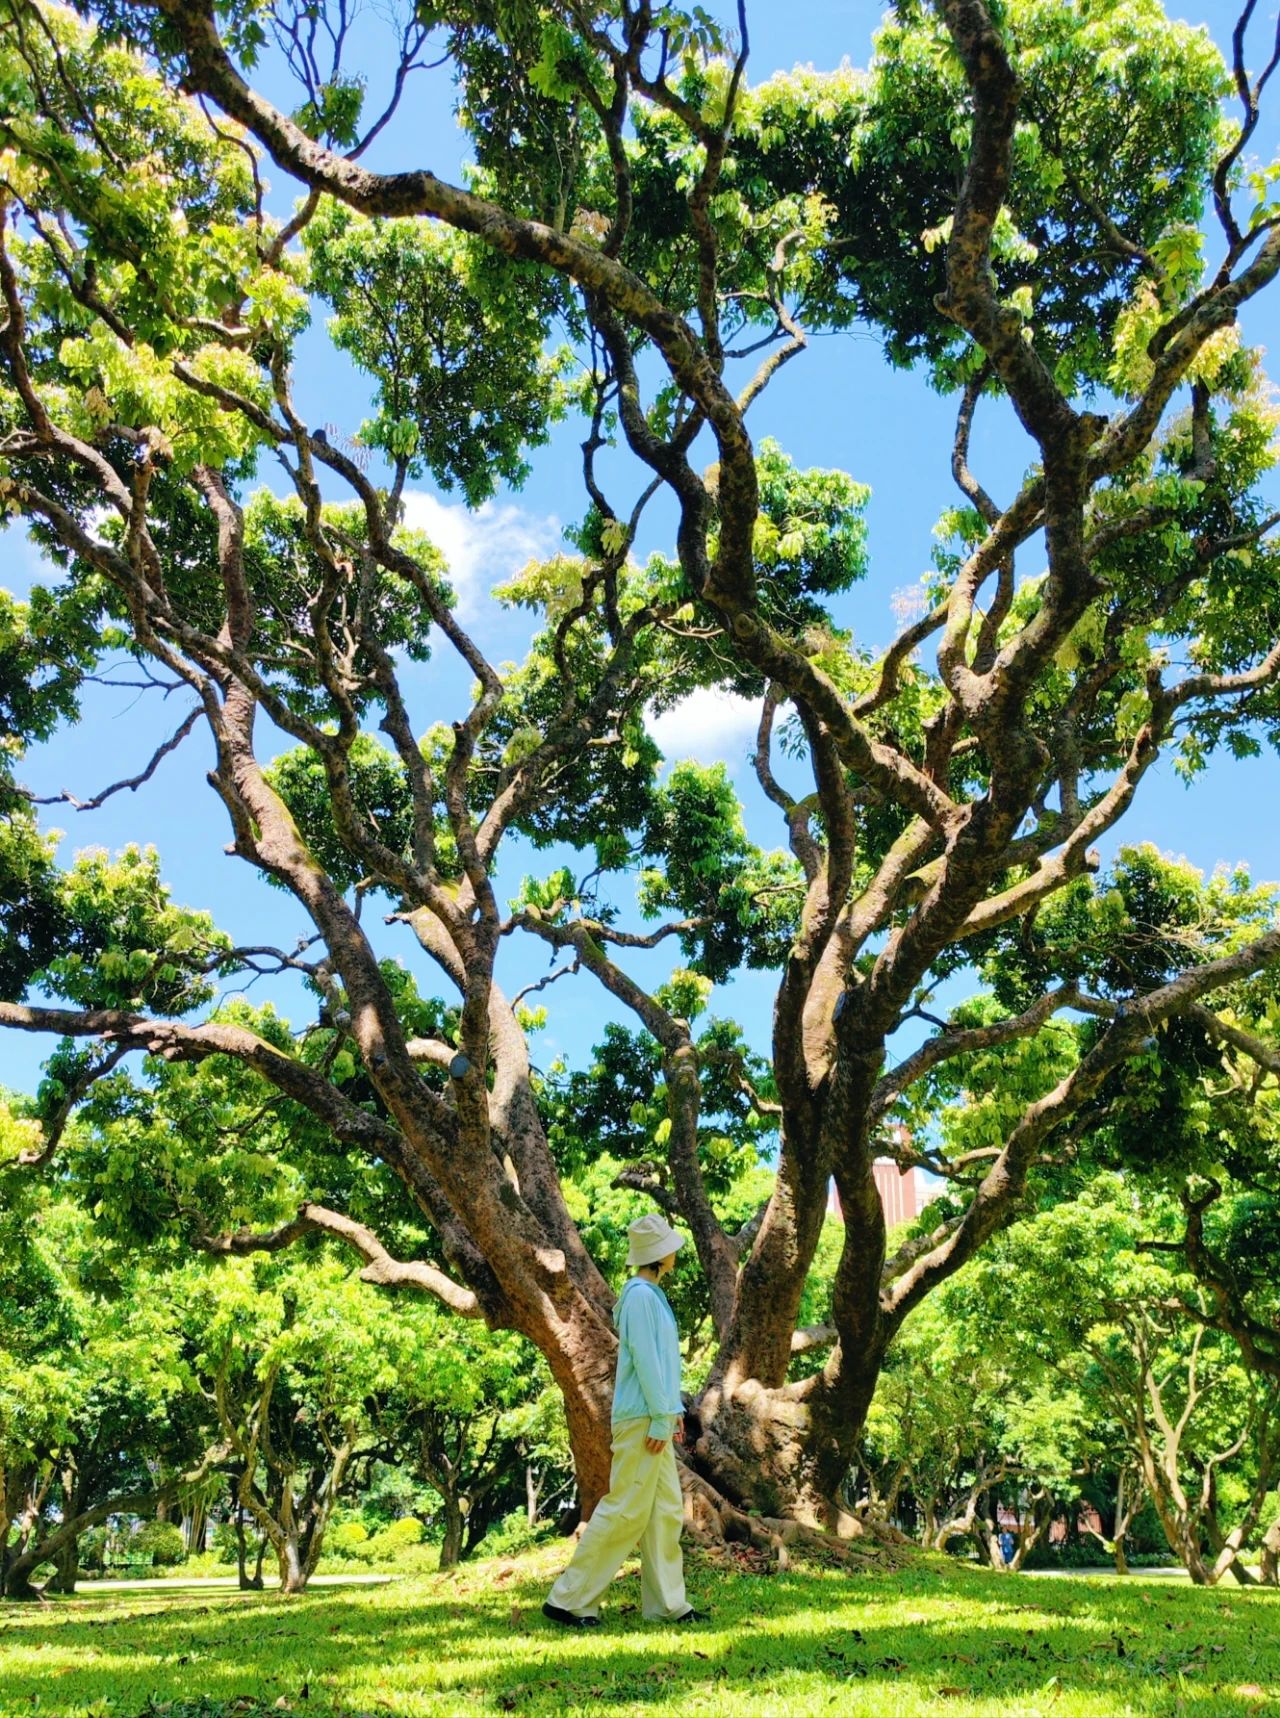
651	1238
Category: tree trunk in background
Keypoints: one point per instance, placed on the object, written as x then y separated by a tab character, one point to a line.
1269	1568
247	1583
67	1568
54	1546
195	1527
293	1571
451	1544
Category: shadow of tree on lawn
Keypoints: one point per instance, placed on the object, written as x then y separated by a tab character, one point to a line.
794	1641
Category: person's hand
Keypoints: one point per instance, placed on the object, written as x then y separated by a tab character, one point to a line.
655	1446
680	1430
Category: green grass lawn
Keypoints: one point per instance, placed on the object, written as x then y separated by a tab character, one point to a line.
940	1638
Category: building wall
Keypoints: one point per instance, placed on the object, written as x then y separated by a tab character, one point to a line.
901	1192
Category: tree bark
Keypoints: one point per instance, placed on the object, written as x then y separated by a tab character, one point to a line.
67	1567
451	1544
293	1571
1269	1567
247	1583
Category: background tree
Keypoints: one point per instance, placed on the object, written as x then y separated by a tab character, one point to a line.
294	1359
670	216
92	1388
974	1437
1074	1289
464	1411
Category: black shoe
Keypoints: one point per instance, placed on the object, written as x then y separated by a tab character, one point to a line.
567	1620
692	1616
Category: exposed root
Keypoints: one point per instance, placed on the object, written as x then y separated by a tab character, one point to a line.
769	1542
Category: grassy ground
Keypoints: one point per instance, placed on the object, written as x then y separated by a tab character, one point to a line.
938	1639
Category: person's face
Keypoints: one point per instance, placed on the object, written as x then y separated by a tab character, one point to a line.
665	1265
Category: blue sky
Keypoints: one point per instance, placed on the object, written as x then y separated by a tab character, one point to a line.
837	405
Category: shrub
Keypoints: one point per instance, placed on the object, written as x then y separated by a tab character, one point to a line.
513	1534
407	1531
348	1539
157	1543
353	1541
224	1541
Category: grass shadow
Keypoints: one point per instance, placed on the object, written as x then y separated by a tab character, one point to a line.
935	1638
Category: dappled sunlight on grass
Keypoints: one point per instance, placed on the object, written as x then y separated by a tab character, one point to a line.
940	1637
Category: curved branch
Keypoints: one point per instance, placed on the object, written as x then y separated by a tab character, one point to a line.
961	1041
177	1042
380	1267
996	1198
131	783
56	1124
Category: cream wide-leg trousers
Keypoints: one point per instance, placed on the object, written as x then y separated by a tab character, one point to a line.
643	1507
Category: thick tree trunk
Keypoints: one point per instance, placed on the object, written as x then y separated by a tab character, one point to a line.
986	1542
293	1569
786	1450
451	1545
581	1349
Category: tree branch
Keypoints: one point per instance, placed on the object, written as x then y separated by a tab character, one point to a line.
380	1267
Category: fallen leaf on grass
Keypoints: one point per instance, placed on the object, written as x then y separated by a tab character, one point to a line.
1250	1691
949	1692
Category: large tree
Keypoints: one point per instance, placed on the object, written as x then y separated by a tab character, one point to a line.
1010	196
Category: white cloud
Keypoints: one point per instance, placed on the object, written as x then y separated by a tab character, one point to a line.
710	725
484	546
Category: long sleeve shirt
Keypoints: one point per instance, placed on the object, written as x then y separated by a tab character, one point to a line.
647	1385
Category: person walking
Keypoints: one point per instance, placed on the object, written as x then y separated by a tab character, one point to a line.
644	1505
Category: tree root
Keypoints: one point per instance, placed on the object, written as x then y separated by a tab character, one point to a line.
769	1542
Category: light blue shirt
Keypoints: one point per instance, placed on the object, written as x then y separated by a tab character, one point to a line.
648	1382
